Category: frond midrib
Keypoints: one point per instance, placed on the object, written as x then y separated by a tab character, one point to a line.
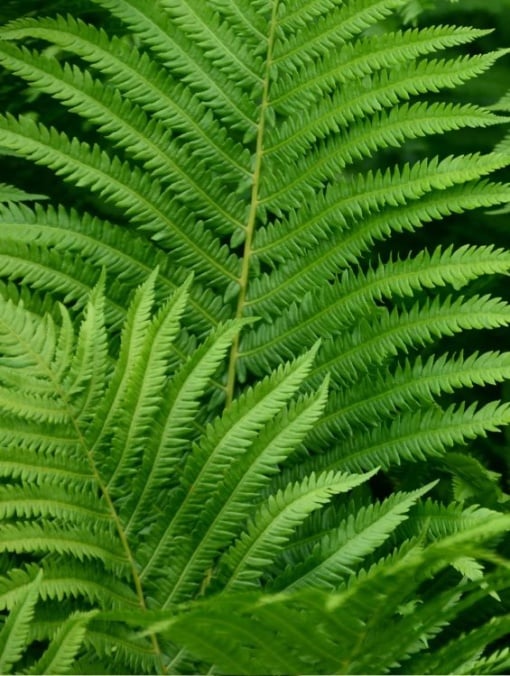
71	414
254	203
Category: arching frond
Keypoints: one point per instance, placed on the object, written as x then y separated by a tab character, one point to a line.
275	521
332	557
403	440
324	630
224	517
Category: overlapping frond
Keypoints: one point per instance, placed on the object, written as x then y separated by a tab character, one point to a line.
327	633
224	516
223	444
175	424
330	558
275	522
17	635
63	235
85	510
59	656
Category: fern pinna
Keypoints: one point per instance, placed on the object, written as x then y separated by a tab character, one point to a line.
228	437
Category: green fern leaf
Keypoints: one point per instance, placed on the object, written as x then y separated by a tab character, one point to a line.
205	360
61	652
275	522
224	518
332	557
9	193
15	631
313	628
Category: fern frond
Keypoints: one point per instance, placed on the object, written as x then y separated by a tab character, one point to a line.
225	440
473	482
339	305
26	344
333	558
462	654
178	410
223	518
15	631
223	47
115	180
386	89
40	408
143	81
132	342
334	30
244	19
129	129
363	140
131	654
98	243
60	654
70	580
406	440
296	17
407	387
437	521
398	330
44	455
291	280
244	176
332	211
89	369
146	354
329	632
498	661
219	90
420	626
28	502
275	522
9	193
80	542
364	57
416	521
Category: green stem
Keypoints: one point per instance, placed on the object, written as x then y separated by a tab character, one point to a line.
61	393
254	205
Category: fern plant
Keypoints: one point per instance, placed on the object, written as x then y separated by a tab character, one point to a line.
209	365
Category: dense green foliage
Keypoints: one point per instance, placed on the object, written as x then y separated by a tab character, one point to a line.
242	394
